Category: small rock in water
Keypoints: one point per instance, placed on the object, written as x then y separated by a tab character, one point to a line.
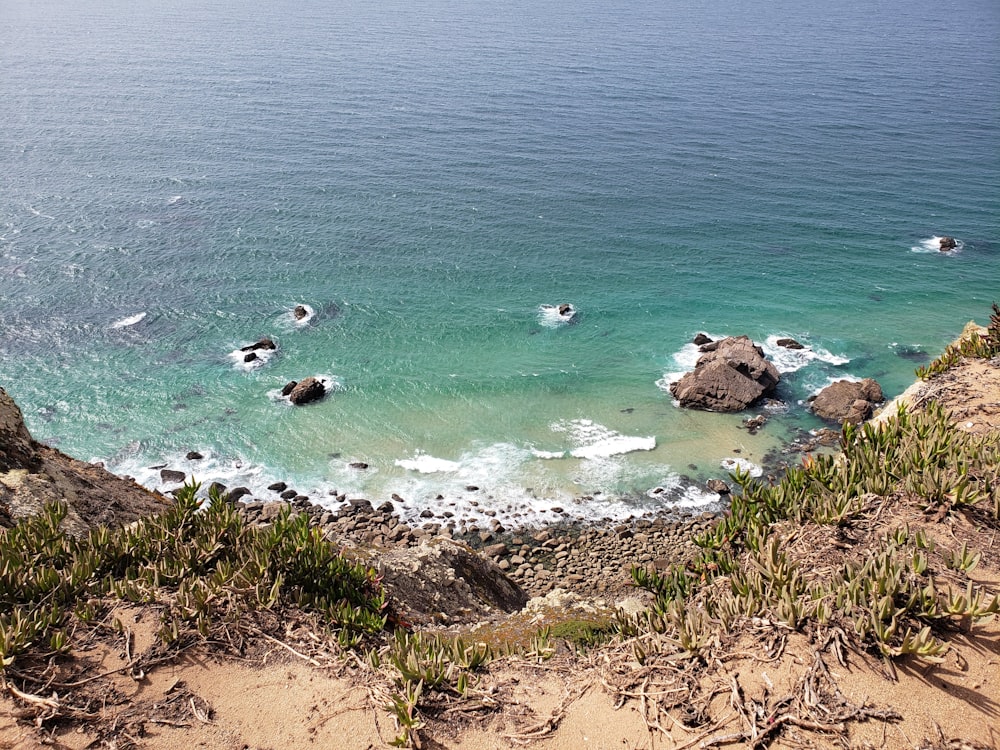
170	476
300	312
193	456
947	243
277	487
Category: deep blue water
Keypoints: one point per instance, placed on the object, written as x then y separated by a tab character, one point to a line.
425	176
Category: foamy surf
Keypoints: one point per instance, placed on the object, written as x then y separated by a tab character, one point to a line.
933	245
594	441
239	358
499	482
553	316
304	320
426	464
129	321
792	360
731	465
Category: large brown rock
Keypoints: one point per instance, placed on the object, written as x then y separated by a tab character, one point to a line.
306	391
32	474
730	377
444	581
848	401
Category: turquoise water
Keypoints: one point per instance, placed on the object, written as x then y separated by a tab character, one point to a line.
426	177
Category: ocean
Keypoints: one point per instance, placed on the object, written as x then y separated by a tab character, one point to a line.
428	178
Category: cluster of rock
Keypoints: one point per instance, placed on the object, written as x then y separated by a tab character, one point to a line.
733	374
298	392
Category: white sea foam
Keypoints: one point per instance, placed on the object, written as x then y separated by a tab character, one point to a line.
547	454
677	495
305	319
175	199
732	464
791	360
423	463
593	440
549	316
510	487
933	245
129	321
263	357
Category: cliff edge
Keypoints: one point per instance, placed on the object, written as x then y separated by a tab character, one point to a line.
32	474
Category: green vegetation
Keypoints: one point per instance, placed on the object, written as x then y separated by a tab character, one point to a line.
202	568
891	598
985	347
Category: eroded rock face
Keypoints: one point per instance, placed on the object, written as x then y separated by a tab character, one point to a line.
444	581
847	401
17	449
730	377
32	474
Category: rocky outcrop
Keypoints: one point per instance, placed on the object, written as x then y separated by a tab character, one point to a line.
848	401
789	344
306	391
264	344
947	243
729	377
32	474
300	312
444	581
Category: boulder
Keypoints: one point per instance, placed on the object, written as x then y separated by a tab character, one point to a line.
701	339
193	456
718	486
171	476
729	378
847	401
235	494
300	312
264	343
443	581
250	357
277	487
789	344
289	387
306	391
947	243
